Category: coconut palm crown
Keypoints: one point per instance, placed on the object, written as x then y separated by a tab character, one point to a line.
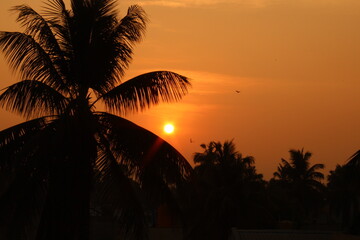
68	60
298	169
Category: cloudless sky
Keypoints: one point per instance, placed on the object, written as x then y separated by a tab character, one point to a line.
295	63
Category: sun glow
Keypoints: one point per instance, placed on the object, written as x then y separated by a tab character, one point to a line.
169	128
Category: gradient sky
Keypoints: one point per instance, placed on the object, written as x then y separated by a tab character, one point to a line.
295	63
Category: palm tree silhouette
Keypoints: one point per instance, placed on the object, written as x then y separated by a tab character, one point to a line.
68	61
298	170
227	191
302	184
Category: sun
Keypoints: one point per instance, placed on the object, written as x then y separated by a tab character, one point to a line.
169	128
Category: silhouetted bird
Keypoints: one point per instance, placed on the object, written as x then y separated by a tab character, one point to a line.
237	91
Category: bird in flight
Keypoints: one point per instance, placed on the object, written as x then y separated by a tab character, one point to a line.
237	91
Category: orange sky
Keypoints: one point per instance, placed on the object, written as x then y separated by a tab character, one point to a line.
295	63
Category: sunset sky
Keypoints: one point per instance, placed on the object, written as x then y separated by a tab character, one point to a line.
270	74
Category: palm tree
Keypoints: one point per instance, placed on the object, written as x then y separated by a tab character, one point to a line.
301	183
299	171
68	61
228	192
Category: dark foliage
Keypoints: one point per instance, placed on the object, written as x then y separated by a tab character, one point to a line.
227	192
344	194
68	60
296	191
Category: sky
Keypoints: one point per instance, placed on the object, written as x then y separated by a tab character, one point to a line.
272	75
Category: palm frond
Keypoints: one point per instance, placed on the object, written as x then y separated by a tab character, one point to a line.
33	62
42	31
228	150
112	182
286	164
306	155
32	99
199	158
20	142
58	18
146	90
284	170
37	27
16	134
105	7
132	26
354	160
54	10
145	149
280	173
316	167
120	43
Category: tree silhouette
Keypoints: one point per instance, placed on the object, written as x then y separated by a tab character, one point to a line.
298	169
298	186
68	60
228	192
344	193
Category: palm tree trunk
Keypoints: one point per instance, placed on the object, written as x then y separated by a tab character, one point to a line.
66	214
83	177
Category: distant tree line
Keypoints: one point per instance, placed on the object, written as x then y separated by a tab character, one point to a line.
227	191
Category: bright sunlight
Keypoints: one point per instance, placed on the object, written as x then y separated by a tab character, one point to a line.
169	128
